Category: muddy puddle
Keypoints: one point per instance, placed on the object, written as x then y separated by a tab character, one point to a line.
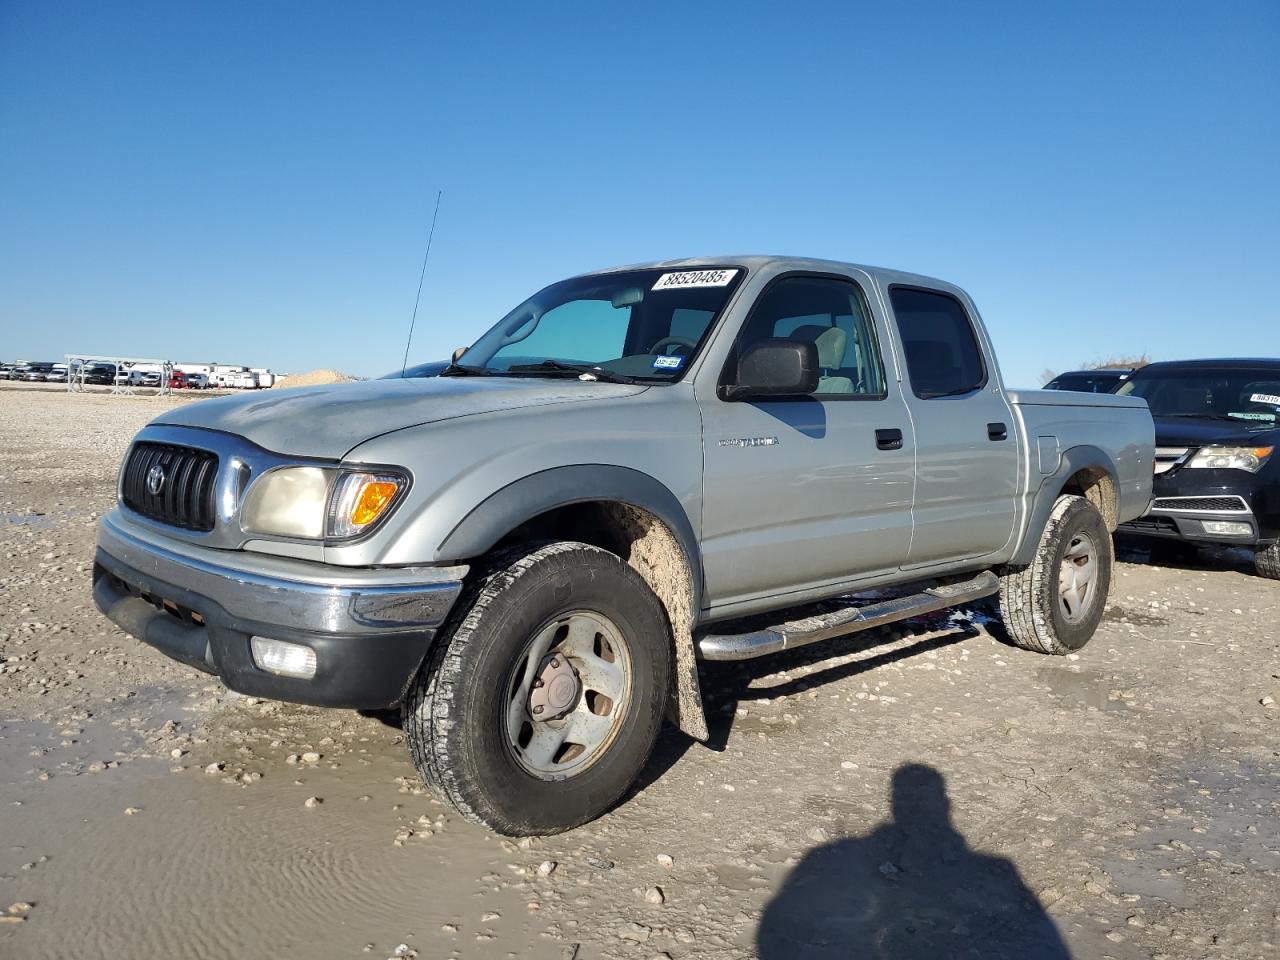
125	851
1083	687
31	520
36	520
1227	816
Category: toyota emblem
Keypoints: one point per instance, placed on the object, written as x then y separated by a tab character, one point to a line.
155	480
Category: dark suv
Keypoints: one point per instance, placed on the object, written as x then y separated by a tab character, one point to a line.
1217	467
1102	380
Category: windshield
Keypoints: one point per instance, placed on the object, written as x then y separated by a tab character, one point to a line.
1237	394
644	325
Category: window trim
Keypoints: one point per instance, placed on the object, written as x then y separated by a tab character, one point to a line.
727	370
973	332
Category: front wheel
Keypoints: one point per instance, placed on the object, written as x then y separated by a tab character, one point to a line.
541	704
1267	561
1055	603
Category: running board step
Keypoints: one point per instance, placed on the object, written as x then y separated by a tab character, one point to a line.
800	633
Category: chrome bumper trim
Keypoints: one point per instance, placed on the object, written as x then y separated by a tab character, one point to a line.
296	594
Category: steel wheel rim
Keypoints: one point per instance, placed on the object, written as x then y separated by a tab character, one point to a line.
566	745
1077	578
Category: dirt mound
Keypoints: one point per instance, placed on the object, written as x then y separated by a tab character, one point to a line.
314	378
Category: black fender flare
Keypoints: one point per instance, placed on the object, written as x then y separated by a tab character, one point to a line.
504	510
1071	462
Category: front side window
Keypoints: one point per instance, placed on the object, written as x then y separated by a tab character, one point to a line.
634	325
943	359
832	315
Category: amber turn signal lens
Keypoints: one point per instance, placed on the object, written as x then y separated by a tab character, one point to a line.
372	501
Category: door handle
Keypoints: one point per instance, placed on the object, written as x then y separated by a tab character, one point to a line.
997	431
889	439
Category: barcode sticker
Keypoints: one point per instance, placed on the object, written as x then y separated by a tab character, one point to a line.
695	278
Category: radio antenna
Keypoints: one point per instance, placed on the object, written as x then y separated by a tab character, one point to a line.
421	276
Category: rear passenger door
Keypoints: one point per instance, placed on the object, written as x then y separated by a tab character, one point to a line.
966	451
807	491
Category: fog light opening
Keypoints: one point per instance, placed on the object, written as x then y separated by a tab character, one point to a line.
283	658
1228	528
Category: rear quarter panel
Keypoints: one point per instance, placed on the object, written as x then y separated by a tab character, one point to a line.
1058	428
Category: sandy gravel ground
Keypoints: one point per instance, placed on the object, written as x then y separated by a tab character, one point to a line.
921	792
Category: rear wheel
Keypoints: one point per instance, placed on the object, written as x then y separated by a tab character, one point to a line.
1055	603
541	704
1267	560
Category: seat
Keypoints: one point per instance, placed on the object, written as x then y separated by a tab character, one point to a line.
831	343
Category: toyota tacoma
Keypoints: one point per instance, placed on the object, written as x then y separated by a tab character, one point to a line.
632	470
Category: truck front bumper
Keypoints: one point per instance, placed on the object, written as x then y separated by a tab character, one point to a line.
369	628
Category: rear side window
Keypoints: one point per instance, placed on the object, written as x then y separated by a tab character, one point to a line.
942	352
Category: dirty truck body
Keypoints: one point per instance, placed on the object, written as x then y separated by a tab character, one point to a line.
634	469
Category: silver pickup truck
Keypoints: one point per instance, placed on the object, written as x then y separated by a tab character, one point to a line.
633	470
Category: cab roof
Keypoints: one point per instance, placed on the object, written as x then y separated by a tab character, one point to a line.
781	264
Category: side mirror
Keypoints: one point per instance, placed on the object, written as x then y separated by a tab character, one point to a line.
775	368
457	354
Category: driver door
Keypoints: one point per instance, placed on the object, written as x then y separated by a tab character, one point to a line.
801	492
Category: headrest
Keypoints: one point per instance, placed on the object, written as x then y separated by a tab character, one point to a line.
830	341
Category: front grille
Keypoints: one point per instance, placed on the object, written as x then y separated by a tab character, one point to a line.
185	498
1169	457
1151	524
1214	504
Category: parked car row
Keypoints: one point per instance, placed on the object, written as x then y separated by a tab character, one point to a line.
34	372
101	373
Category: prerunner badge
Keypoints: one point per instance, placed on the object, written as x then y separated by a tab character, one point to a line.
695	278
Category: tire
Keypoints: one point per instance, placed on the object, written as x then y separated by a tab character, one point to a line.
1267	561
1037	612
469	718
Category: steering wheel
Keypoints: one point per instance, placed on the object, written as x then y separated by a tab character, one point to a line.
665	342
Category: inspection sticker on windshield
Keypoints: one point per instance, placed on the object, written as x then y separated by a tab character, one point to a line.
695	278
668	363
1265	398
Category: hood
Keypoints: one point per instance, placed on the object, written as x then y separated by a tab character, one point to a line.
328	421
1186	432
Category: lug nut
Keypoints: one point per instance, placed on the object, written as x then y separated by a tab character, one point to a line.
538	708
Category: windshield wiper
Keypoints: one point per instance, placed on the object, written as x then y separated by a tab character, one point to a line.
458	370
559	366
1195	416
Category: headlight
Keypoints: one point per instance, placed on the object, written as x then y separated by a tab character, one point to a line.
315	503
1231	458
289	502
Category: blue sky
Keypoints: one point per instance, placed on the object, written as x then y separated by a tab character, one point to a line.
253	182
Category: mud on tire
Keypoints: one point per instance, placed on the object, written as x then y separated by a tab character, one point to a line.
469	718
1055	603
1267	560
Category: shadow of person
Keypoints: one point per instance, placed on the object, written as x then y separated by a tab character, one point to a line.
911	889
